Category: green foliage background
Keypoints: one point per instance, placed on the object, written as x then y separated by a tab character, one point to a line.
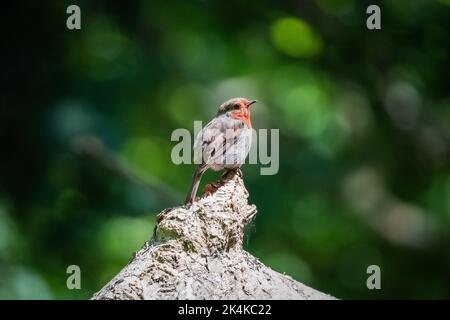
364	118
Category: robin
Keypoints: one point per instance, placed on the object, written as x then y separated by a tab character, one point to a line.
224	142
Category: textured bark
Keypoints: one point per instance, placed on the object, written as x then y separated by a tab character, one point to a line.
196	253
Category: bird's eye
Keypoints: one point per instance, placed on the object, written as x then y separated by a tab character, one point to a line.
236	106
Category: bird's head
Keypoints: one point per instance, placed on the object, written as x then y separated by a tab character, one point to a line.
235	104
237	108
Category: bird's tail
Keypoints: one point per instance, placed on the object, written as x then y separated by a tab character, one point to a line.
195	183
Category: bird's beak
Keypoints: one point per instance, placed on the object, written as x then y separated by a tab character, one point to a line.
251	102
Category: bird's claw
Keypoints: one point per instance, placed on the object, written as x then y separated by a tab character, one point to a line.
228	175
210	188
238	172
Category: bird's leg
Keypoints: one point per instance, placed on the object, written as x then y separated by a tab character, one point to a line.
239	173
210	188
229	174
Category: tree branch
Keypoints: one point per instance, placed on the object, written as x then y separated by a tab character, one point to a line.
196	253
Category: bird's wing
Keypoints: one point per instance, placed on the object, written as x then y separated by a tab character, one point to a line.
216	138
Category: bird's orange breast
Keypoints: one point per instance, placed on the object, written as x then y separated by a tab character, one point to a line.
243	115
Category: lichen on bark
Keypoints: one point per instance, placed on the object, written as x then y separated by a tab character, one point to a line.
196	253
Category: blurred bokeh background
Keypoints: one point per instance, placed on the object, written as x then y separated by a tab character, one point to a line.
364	118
